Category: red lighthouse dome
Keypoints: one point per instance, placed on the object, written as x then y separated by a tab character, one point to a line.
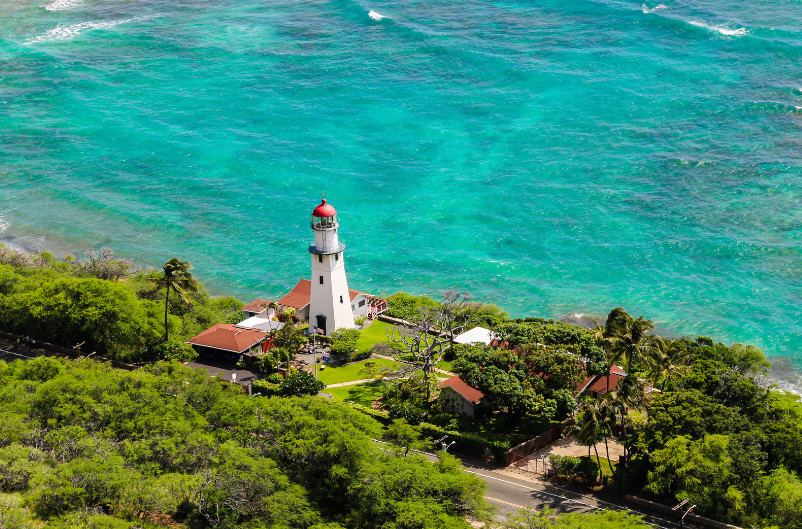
324	210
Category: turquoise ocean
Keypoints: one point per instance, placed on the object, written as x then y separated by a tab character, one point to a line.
551	157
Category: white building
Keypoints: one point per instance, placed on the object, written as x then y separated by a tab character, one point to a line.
330	301
325	300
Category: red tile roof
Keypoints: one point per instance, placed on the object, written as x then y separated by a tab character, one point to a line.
355	293
472	394
228	337
599	383
299	296
600	386
582	386
257	305
301	293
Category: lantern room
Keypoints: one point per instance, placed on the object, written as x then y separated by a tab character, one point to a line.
324	217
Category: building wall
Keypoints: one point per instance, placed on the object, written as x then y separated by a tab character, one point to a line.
356	309
452	401
330	295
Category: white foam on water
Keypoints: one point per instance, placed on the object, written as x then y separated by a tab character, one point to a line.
375	16
648	10
720	28
61	32
63	5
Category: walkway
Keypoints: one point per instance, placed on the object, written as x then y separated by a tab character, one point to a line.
352	382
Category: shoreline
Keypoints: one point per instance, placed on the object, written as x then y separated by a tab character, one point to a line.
783	374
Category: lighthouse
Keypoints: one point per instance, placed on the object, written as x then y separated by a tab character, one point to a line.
330	303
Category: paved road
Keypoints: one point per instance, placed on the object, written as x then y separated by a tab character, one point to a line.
510	494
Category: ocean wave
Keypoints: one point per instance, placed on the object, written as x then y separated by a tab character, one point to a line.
376	16
61	32
63	5
647	10
722	29
777	107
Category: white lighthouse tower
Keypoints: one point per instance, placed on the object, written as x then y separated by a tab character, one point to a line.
330	301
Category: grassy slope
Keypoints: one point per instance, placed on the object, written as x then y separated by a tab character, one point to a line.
376	333
363	394
355	371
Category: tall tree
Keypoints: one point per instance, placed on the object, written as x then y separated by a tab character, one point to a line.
590	427
626	339
628	395
432	331
668	360
176	277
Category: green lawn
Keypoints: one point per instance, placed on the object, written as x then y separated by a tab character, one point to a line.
363	394
445	365
442	364
355	371
376	333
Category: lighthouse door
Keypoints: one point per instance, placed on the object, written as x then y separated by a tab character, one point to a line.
321	322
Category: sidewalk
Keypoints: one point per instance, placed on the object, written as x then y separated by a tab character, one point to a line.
443	371
352	382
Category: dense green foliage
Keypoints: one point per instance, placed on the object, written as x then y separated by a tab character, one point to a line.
728	444
344	346
534	379
408	307
82	439
301	383
546	519
101	302
584	467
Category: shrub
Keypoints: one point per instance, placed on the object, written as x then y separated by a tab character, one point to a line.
301	383
343	344
408	307
411	413
176	350
467	443
588	469
564	466
583	468
379	415
362	354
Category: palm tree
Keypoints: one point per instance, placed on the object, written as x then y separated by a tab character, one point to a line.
667	361
590	427
176	277
629	395
626	339
607	413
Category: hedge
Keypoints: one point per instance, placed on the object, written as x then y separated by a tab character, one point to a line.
569	467
467	443
381	416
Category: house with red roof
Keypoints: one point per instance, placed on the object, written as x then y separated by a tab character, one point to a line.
229	340
598	386
257	307
458	397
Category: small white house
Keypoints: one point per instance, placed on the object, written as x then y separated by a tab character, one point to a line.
475	335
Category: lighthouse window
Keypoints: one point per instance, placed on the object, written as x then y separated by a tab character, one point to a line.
319	258
341	299
336	257
321	280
